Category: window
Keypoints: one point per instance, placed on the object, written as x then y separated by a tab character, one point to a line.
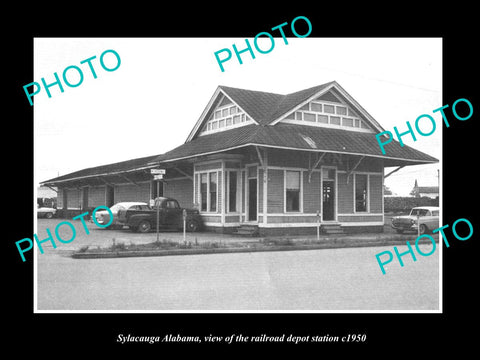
335	120
232	191
316	107
330	109
292	191
213	191
361	193
309	117
203	192
298	115
347	122
341	110
323	119
172	204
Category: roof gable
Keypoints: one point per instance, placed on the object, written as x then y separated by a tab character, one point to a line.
265	108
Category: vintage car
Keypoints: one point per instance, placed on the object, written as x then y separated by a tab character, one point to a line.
46	212
428	220
103	217
170	216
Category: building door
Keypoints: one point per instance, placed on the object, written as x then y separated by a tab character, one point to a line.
252	199
328	204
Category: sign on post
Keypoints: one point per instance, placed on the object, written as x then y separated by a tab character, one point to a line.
158	171
158	177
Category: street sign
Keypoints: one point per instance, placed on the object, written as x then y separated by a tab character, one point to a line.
158	171
158	177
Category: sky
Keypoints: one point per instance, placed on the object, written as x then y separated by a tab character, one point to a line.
152	101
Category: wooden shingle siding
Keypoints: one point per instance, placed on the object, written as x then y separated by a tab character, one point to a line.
275	191
311	192
132	192
376	198
181	190
345	194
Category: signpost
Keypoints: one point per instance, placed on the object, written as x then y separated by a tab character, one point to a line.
158	175
184	213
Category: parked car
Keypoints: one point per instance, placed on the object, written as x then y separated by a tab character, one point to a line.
170	217
103	217
428	220
45	212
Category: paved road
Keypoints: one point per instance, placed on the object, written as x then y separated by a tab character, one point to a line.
334	279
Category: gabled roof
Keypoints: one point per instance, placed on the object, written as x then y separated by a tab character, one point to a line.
267	108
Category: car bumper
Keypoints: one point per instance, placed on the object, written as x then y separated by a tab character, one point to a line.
405	227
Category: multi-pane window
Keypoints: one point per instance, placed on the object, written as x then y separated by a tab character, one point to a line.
213	191
224	117
361	192
316	112
232	191
208	191
292	191
203	191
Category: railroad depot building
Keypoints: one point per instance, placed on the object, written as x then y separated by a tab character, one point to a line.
277	162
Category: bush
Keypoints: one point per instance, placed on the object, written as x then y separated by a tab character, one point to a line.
405	204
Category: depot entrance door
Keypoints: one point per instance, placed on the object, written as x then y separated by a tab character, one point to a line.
328	204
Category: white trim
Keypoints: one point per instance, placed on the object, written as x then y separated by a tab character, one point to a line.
315	224
330	126
363	223
223	202
197	127
367	211
335	180
356	106
291	214
361	214
208	211
300	199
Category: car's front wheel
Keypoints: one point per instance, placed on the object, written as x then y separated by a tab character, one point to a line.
144	226
423	229
192	225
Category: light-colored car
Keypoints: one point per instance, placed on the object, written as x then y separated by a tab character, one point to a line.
428	220
45	212
103	217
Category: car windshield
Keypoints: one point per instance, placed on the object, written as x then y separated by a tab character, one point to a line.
419	212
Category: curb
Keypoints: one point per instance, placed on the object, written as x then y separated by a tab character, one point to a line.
176	252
